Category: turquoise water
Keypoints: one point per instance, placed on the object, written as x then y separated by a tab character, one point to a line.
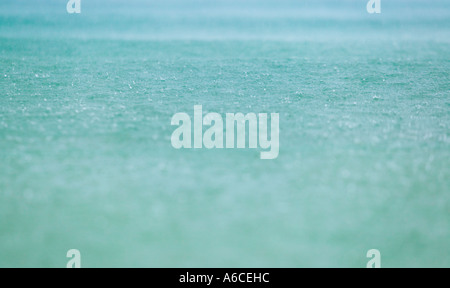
86	160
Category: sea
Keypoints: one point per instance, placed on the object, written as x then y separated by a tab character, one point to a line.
86	160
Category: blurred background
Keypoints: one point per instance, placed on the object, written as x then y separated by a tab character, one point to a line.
85	155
